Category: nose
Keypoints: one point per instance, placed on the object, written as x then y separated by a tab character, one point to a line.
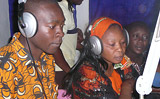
60	32
140	39
119	48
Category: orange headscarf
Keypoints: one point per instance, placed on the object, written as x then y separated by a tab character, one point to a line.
101	25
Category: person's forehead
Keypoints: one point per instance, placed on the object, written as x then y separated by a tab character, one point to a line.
112	35
48	6
113	29
50	15
48	9
139	30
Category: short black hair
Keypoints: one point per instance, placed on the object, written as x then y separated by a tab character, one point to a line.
135	24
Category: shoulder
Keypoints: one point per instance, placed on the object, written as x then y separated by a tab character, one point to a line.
87	70
8	59
89	77
89	82
49	59
6	51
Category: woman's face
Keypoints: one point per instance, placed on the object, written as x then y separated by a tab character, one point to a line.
139	39
114	45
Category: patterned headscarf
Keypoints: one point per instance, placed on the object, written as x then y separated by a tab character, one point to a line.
101	25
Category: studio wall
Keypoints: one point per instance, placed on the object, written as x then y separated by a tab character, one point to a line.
4	22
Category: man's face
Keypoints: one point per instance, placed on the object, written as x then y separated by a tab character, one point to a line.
49	34
139	38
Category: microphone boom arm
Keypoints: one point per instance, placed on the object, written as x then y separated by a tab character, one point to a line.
144	82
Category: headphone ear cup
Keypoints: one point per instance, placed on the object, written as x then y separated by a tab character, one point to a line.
96	45
30	22
126	35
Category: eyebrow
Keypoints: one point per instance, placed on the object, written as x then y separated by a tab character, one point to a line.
50	21
56	21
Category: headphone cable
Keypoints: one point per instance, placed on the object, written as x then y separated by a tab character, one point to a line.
38	75
101	84
20	20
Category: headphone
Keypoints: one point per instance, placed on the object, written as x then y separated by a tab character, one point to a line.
125	32
27	22
96	43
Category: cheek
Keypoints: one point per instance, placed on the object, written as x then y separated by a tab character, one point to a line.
45	34
132	44
41	40
145	44
107	53
41	37
124	49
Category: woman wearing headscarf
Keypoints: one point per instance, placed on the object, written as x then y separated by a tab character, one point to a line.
94	75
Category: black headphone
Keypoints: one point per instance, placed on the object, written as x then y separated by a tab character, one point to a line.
96	43
27	22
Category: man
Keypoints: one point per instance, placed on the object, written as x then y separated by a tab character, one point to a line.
27	64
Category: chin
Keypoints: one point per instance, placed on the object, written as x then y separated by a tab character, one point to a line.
117	62
138	52
51	52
